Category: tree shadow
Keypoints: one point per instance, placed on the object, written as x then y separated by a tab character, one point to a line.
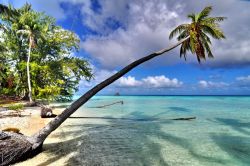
119	141
116	143
179	109
237	147
235	124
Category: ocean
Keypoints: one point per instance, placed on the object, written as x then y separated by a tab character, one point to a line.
141	132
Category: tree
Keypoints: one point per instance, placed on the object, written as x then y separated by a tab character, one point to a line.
39	53
29	25
196	32
192	38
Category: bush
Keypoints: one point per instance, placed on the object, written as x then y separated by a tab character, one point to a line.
16	107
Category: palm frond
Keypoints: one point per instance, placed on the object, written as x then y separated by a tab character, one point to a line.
8	11
214	19
214	31
192	16
184	48
204	13
205	38
179	29
208	50
183	35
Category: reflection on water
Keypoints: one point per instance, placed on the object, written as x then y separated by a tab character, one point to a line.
140	132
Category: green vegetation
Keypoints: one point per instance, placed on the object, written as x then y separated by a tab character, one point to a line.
36	56
197	33
16	107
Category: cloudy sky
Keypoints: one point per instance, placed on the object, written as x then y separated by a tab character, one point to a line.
116	32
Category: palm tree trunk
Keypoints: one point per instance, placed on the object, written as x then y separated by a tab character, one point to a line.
28	69
38	138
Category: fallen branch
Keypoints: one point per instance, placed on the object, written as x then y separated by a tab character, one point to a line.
189	118
102	106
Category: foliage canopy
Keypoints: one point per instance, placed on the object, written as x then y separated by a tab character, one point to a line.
55	71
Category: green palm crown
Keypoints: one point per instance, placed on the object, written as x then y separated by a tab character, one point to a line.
196	35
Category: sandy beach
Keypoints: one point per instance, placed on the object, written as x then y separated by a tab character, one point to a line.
30	123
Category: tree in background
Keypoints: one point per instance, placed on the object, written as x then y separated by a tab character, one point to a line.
39	54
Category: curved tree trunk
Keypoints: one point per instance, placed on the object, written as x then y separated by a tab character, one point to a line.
38	138
28	69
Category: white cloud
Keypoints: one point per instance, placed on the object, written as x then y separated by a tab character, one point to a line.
143	31
243	81
211	84
149	82
128	82
244	78
161	82
146	26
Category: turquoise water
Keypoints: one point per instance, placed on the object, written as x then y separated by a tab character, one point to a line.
140	131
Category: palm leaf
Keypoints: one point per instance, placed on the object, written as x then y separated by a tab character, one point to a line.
214	19
204	13
179	29
192	16
215	32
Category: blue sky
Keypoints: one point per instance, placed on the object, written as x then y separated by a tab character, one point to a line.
115	32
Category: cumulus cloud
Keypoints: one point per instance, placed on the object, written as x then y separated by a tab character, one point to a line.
129	82
243	81
146	25
244	78
161	82
211	84
149	82
142	31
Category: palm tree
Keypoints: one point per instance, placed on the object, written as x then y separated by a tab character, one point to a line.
197	33
193	37
26	25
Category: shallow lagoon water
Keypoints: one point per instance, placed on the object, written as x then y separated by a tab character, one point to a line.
140	132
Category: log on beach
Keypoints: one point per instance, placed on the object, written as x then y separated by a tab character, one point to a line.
46	112
189	118
106	105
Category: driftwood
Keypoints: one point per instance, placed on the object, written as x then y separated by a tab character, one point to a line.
34	104
46	112
102	106
189	118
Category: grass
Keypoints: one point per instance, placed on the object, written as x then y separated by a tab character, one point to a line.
16	107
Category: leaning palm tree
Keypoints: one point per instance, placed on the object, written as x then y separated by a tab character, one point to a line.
194	37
